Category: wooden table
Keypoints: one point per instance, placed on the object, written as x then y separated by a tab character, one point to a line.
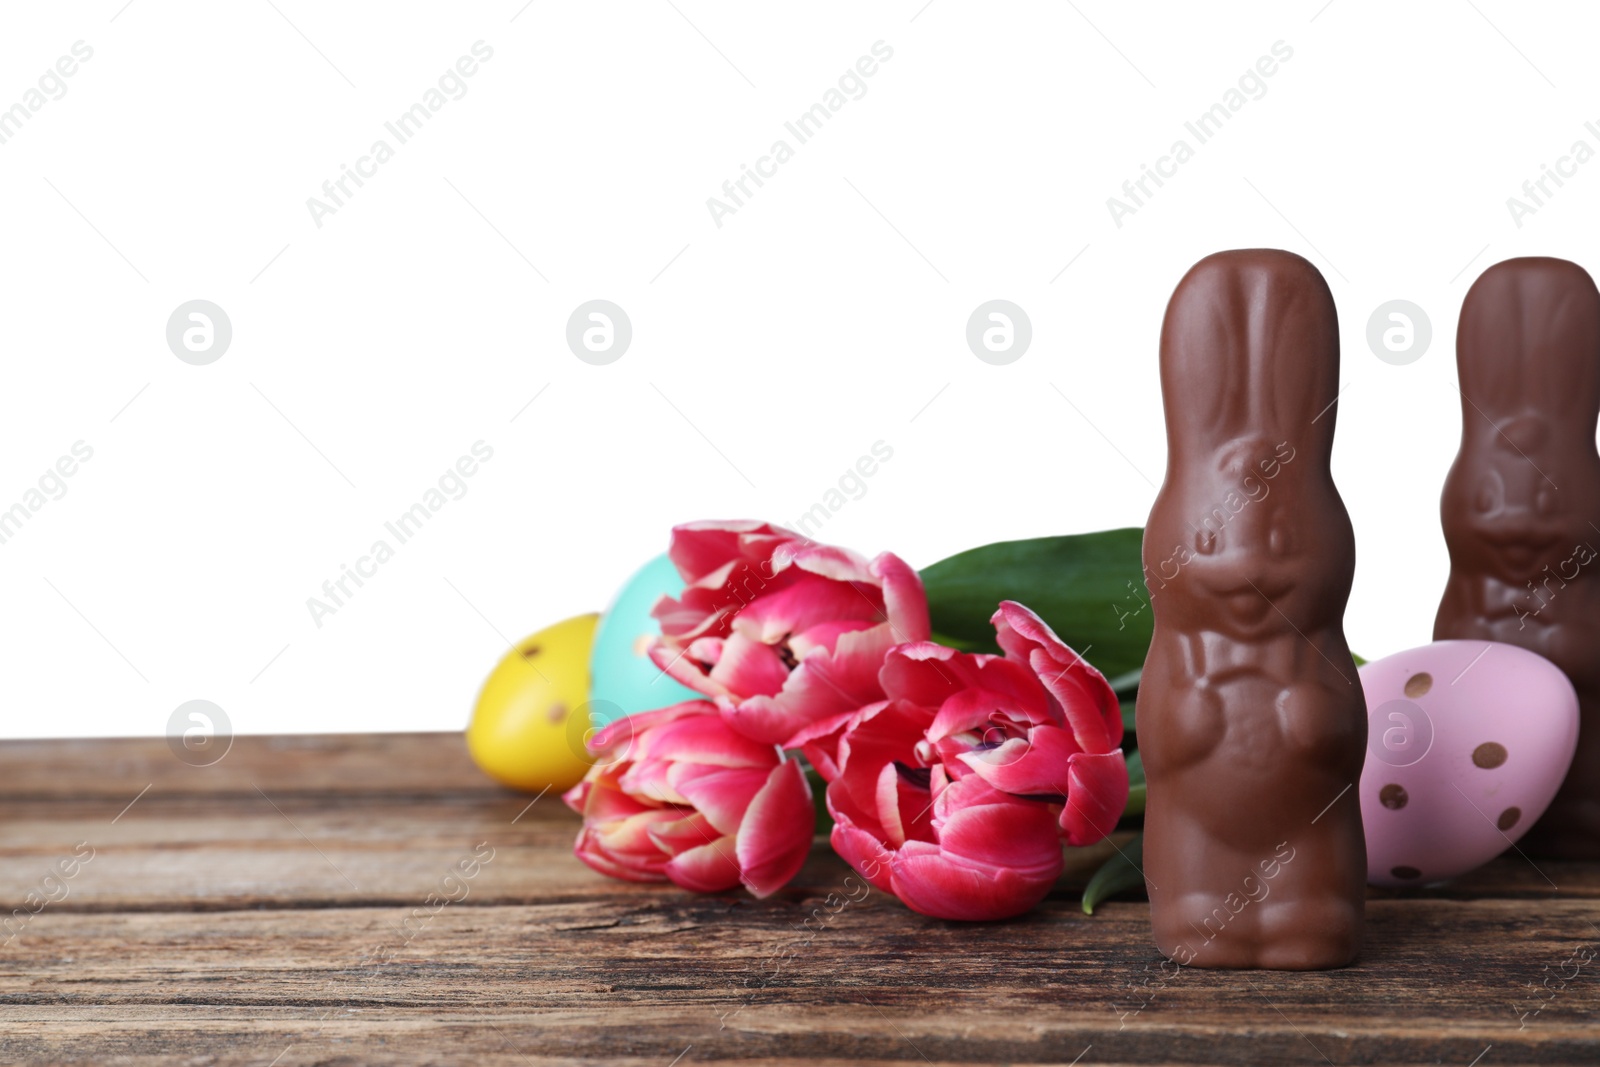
307	900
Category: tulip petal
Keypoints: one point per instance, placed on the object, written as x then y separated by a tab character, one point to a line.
903	597
822	686
775	837
810	601
887	805
926	673
749	668
935	885
832	561
820	742
1016	686
721	794
688	666
683	621
981	826
623	732
706	738
825	636
604	800
1087	701
710	868
1038	765
762	720
972	711
676	835
589	851
865	853
623	848
698	548
631	834
576	797
648	779
1096	796
883	734
723	564
852	669
827	683
1086	698
779	630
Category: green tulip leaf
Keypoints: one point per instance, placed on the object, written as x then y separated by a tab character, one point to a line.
1089	588
1118	874
1125	685
1136	785
819	800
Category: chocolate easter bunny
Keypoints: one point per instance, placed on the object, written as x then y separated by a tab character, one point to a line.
1521	504
1250	713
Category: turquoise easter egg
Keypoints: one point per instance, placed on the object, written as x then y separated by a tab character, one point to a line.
622	678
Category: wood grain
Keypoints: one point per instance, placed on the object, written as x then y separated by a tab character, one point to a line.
314	763
282	913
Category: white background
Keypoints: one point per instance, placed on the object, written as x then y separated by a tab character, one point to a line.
826	314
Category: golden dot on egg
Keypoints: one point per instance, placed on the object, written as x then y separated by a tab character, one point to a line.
557	712
1393	796
1418	684
1489	755
1508	818
1405	873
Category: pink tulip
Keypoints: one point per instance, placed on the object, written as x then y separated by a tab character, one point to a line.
956	792
779	631
678	794
1039	721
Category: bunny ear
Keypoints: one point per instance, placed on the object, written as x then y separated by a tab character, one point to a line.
1529	343
1249	348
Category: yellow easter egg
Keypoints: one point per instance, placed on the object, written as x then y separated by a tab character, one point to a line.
524	732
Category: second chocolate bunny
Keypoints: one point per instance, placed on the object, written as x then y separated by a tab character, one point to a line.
1521	504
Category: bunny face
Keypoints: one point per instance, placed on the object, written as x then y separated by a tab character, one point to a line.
1510	516
1250	557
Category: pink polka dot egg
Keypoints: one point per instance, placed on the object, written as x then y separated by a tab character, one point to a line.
1467	743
